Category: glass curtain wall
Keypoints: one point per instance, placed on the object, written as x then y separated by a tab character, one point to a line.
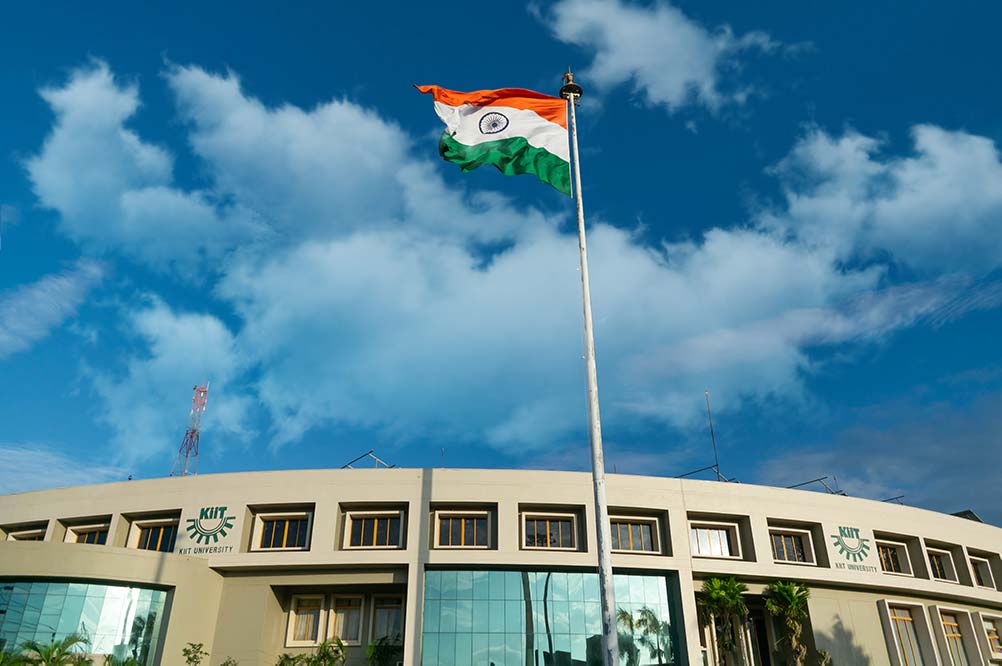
540	618
123	621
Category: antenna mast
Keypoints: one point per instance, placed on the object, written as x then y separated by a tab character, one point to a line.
713	438
187	455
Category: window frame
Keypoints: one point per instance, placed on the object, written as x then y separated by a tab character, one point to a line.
975	561
136	529
290	631
655	533
735	532
930	551
27	535
258	531
459	513
923	631
74	531
332	617
546	515
996	621
372	614
902	549
965	625
811	560
350	517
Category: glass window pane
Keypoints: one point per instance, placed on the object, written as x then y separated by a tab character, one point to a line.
356	533
394	526
469	532
481	531
443	532
368	531
530	532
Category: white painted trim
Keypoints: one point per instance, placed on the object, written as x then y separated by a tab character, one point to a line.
321	625
350	518
927	642
735	530
21	534
73	531
451	513
655	533
332	617
974	574
372	614
136	526
279	515
969	639
543	515
901	548
949	557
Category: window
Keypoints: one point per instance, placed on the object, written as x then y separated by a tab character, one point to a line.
893	557
634	535
374	530
714	540
32	535
993	632
158	537
982	573
387	618
903	624
346	619
552	532
954	639
305	620
941	565
791	546
463	530
93	535
284	533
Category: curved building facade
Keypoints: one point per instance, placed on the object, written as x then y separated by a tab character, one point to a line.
486	567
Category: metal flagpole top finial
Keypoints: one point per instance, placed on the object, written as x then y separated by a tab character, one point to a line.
570	90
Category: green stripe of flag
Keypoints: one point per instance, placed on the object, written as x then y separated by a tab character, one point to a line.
512	157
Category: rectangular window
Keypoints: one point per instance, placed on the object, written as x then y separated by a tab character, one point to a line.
285	533
714	540
992	632
982	573
35	535
460	530
791	547
374	530
554	532
941	565
93	535
904	633
157	537
387	619
305	620
954	639
346	619
634	535
890	555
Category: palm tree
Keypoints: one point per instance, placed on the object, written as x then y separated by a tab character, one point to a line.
328	653
56	653
723	601
627	645
653	634
12	658
787	601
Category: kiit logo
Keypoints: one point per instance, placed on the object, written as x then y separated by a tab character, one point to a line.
850	544
212	523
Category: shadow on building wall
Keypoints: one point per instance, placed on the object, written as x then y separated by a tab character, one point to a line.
842	646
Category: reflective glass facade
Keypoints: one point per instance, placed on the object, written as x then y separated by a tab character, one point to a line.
540	618
124	621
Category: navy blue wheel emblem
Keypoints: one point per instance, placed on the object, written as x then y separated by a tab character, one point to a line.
493	122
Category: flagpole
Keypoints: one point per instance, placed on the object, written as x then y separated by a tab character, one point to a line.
610	637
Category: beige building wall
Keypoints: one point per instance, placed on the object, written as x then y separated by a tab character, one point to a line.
235	600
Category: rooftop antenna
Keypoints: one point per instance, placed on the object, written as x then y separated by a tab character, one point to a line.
377	461
821	479
713	438
187	456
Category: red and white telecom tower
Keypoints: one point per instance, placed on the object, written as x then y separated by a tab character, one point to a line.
187	455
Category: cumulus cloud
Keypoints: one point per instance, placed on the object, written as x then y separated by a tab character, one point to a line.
936	210
667	57
42	467
373	304
28	313
145	404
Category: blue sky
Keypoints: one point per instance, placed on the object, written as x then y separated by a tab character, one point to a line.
798	208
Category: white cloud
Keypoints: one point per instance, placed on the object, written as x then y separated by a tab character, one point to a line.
936	210
147	405
41	467
28	313
370	304
666	56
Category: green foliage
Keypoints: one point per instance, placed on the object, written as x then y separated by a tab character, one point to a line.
787	601
722	601
112	660
12	658
194	654
824	658
383	652
287	659
230	661
65	652
653	635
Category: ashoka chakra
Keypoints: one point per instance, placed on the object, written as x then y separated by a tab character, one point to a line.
493	122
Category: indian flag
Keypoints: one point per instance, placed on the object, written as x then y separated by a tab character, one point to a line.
518	131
